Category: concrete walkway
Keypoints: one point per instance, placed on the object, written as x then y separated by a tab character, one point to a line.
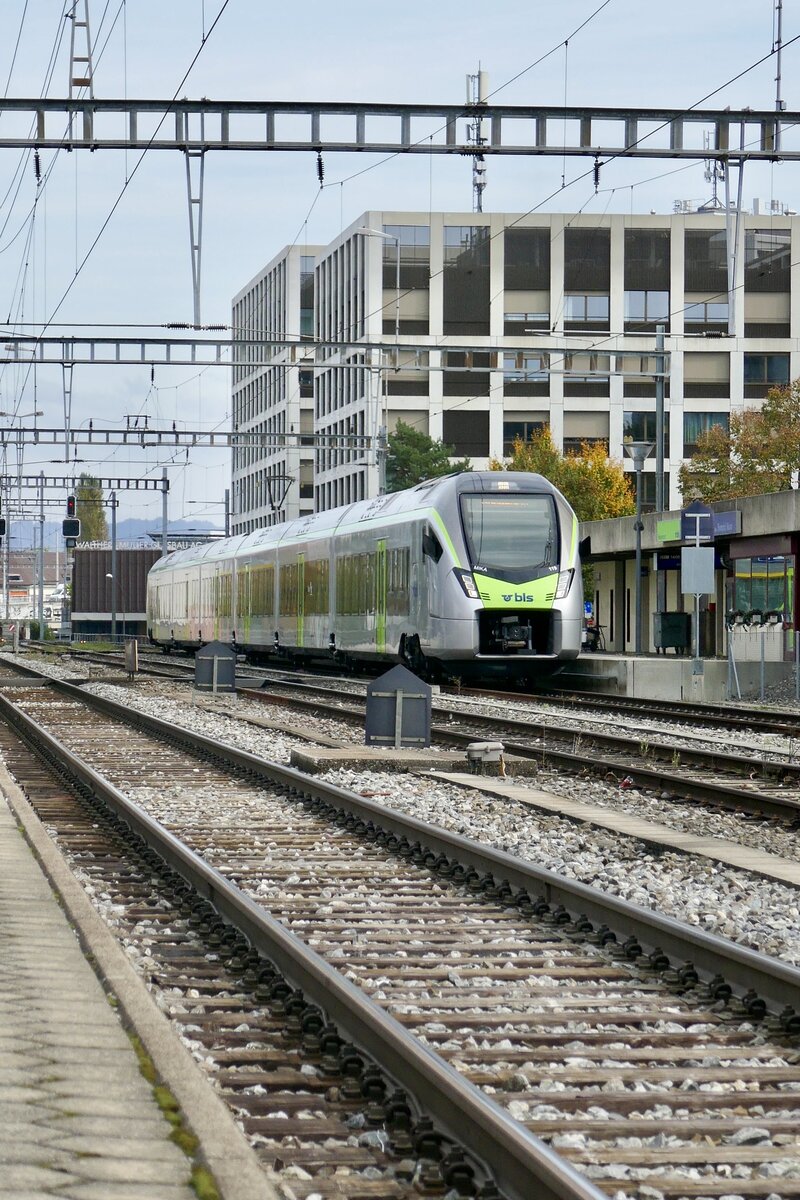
77	1118
782	870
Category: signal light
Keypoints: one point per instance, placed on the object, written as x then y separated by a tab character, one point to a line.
70	506
71	528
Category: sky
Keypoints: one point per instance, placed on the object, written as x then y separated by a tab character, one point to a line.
137	273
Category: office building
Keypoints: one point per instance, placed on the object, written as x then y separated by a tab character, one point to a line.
496	324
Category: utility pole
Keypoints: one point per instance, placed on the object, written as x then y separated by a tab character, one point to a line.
114	576
661	500
40	600
164	516
227	512
780	105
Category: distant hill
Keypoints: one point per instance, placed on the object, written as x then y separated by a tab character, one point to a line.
131	529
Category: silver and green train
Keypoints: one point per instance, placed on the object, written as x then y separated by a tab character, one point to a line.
476	574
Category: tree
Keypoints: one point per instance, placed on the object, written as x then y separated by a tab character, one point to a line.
89	508
758	453
595	485
414	457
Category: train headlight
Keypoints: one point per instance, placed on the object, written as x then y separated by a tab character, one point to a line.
564	583
468	584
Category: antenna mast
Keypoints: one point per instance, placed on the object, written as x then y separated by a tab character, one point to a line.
477	93
80	65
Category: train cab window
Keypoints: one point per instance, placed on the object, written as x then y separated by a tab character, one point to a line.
431	546
511	537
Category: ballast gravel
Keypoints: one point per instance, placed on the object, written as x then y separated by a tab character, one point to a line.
733	903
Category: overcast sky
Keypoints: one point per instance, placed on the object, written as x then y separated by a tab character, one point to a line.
629	53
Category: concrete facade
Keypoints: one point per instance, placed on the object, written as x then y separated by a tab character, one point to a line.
506	323
273	481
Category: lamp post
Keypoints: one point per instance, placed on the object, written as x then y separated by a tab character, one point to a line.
638	451
384	430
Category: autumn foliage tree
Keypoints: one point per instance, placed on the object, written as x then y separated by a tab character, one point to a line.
595	485
759	453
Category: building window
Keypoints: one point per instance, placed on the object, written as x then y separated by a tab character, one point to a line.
306	297
586	309
646	277
641	427
706	375
706	261
649	489
473	379
415	257
466	279
527	260
764	584
647	259
696	424
586	374
524	366
647	307
575	445
767	260
587	260
515	323
466	433
765	371
521	431
706	312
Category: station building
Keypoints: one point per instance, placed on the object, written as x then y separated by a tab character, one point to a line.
751	615
504	323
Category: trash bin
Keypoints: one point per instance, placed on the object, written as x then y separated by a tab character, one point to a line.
672	630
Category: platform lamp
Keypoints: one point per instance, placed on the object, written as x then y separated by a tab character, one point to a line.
638	451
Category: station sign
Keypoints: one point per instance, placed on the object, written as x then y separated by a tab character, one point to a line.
697	570
697	522
727	524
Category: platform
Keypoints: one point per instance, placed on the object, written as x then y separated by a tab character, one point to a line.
78	1118
668	676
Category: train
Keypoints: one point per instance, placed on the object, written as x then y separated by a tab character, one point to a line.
475	574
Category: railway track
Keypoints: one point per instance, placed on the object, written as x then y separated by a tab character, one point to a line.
772	720
641	1072
766	786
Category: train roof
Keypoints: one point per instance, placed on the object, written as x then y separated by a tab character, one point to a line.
423	496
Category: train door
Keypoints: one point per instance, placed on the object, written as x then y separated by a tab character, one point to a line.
380	597
301	597
431	554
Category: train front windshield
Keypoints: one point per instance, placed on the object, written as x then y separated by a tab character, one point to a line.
511	537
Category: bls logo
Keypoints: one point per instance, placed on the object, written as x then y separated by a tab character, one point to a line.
519	598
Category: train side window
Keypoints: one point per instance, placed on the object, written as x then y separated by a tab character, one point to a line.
431	546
